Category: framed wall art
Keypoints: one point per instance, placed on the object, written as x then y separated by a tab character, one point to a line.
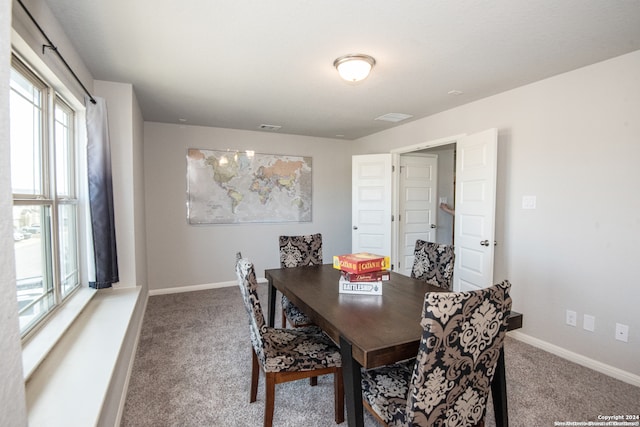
231	187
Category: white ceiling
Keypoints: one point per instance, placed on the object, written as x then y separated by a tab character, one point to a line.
242	63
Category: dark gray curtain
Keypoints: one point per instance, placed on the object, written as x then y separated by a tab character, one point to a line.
101	195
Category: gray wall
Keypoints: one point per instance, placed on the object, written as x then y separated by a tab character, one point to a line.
181	255
572	141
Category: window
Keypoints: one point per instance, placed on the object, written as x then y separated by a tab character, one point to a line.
45	202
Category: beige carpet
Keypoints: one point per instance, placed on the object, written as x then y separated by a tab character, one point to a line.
193	365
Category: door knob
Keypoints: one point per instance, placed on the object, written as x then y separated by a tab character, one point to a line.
433	226
355	227
485	243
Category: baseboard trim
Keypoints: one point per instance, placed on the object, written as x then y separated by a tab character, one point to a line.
603	368
191	288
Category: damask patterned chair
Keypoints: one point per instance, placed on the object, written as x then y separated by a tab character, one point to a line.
286	354
296	251
433	263
449	382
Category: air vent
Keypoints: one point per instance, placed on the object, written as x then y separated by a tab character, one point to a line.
272	128
393	117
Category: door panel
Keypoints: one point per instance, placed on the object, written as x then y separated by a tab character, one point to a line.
476	163
371	204
418	184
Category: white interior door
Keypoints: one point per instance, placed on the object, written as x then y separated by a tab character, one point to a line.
371	204
476	164
418	185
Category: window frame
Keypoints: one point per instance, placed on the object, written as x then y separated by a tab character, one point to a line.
50	200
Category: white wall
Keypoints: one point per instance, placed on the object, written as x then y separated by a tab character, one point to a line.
140	228
12	393
180	254
127	164
573	141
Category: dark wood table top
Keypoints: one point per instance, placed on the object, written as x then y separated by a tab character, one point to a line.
394	316
376	330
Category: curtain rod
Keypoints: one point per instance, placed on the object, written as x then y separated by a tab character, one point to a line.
55	49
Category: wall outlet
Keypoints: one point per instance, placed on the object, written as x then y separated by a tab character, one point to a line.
443	200
589	323
622	332
572	318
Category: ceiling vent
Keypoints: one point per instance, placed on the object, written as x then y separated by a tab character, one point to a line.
393	117
272	128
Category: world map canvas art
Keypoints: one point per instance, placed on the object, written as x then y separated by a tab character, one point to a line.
227	187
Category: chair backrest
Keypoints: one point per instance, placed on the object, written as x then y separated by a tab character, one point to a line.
433	263
296	251
462	337
249	290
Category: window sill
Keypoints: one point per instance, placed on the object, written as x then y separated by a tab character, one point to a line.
37	347
82	365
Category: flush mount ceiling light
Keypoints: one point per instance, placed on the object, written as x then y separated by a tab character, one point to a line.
354	67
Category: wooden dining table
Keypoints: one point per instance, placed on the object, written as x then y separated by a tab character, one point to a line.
371	330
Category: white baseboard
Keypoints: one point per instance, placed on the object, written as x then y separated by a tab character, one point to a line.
603	368
191	288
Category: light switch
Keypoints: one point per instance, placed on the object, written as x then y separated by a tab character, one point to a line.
528	202
589	323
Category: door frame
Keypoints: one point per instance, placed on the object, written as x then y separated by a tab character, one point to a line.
395	183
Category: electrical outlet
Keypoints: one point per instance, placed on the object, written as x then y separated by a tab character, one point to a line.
622	332
443	200
589	323
572	318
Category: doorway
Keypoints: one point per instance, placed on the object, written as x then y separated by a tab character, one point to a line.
472	181
445	152
444	191
375	186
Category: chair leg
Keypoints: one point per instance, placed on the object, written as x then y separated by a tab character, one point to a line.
284	319
255	372
338	396
269	399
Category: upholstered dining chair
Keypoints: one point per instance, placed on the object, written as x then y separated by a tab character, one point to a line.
296	251
286	354
433	263
449	381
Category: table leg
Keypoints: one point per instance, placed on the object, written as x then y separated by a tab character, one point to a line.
352	385
271	303
499	393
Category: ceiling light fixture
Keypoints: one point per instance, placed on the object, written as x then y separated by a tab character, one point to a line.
354	67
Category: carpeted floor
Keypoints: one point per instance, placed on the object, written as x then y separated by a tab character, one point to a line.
193	365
